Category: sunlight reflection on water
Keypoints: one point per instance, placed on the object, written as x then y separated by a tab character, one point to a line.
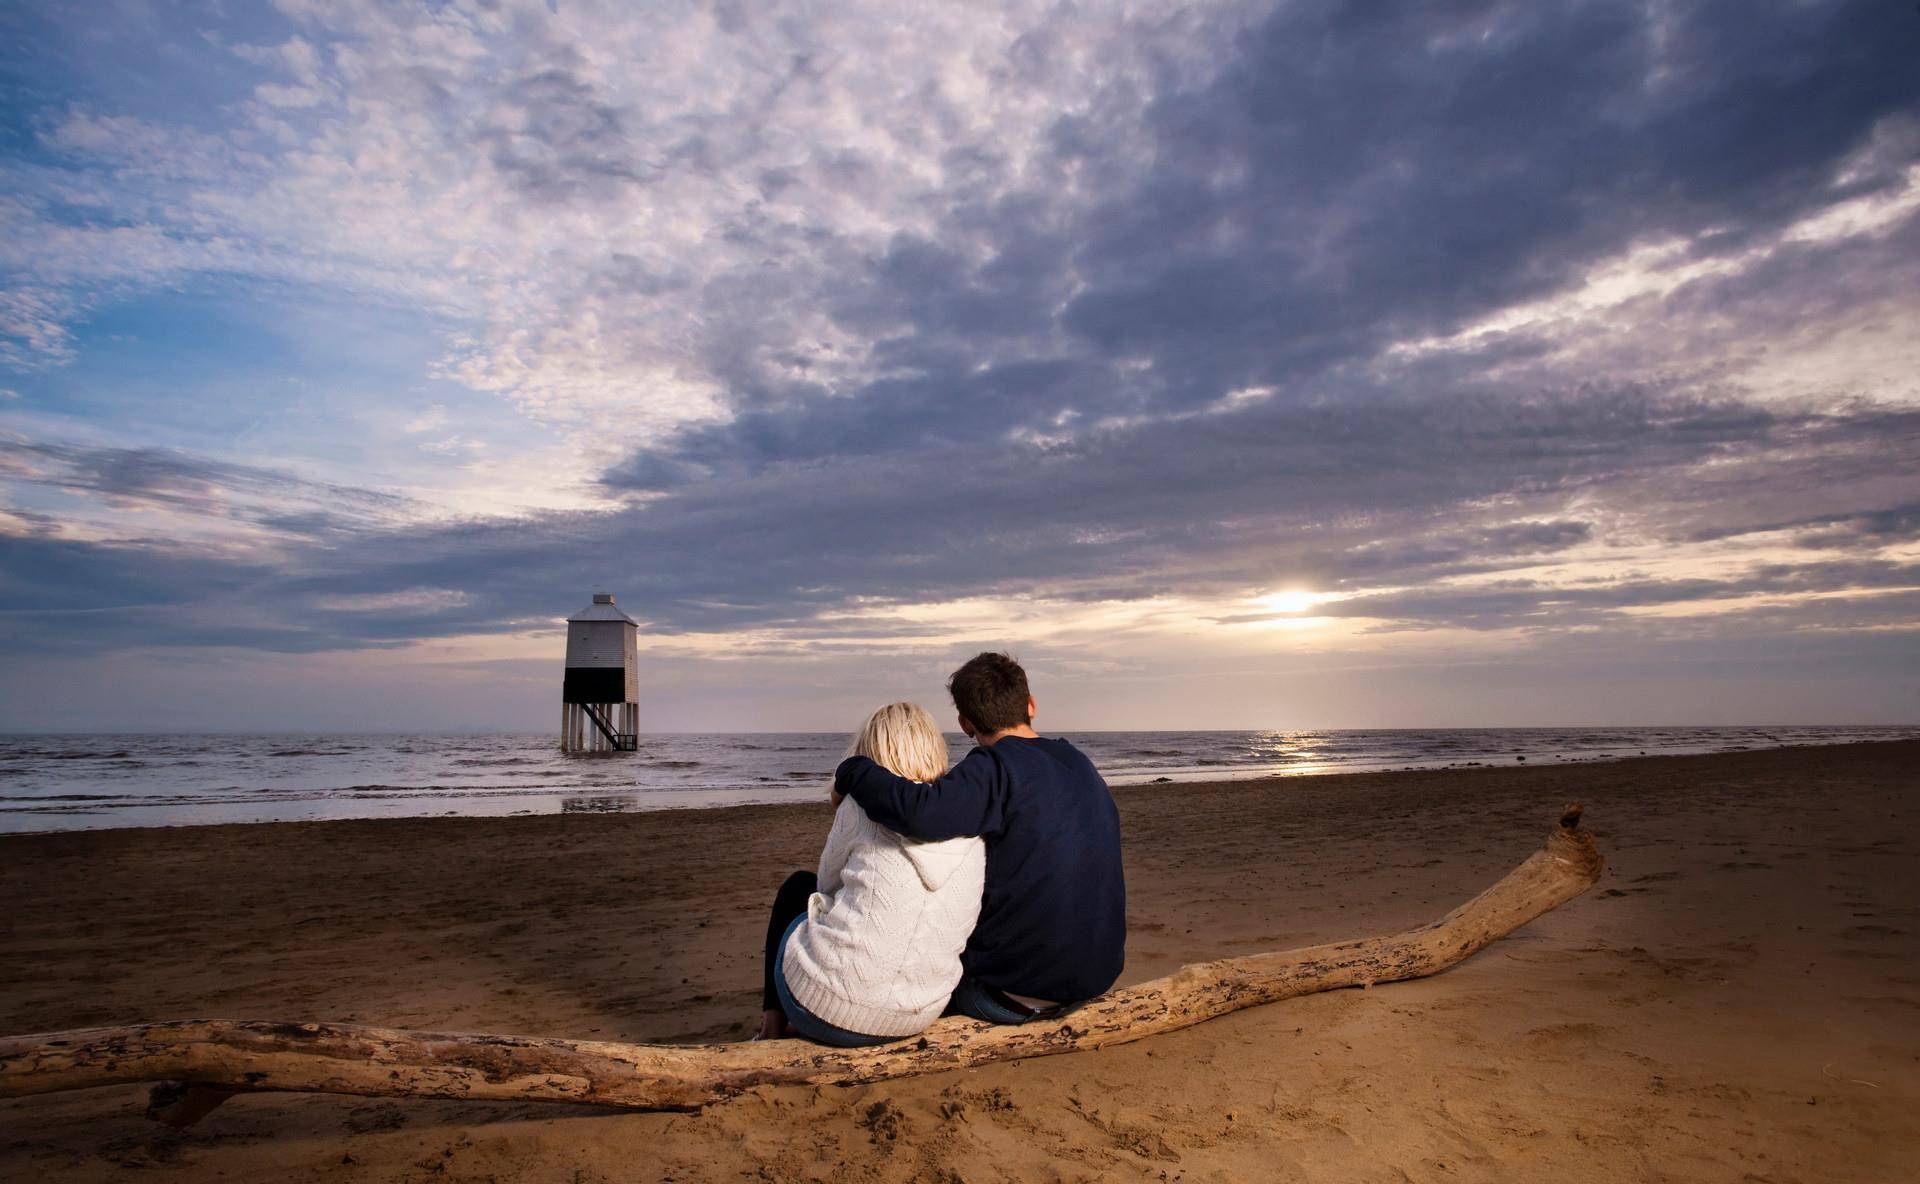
75	782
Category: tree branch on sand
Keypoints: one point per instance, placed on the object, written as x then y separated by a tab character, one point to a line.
203	1062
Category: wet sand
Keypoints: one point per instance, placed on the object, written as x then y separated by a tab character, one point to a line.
1738	1000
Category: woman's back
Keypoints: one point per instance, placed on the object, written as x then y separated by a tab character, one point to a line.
880	950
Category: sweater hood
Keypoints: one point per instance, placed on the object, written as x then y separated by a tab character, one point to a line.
936	862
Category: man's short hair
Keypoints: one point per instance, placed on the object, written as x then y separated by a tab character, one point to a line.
991	692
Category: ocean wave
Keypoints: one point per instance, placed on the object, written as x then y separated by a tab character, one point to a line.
121	780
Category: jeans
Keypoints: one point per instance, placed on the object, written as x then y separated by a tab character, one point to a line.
789	910
982	1002
972	998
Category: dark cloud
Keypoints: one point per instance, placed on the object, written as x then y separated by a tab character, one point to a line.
1845	529
1341	495
1882	591
1404	556
564	140
162	477
1371	487
1362	174
1342	182
63	578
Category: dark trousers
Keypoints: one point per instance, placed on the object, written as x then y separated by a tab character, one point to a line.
788	903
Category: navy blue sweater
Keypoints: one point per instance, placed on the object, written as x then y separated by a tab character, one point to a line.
1053	919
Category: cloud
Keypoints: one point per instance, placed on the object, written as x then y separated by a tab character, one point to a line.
1435	513
33	330
1487	318
196	486
1878	593
632	214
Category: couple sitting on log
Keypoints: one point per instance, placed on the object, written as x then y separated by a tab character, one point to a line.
992	889
1023	920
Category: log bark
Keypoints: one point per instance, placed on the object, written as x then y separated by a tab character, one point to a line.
207	1060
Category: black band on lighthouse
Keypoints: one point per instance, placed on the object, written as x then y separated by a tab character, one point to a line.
594	684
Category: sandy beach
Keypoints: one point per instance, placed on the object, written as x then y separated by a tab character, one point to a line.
1738	1000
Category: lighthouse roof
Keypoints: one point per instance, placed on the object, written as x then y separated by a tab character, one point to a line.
601	609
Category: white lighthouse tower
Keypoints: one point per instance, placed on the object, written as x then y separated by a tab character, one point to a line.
600	709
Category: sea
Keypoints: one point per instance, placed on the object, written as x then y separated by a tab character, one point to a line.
77	782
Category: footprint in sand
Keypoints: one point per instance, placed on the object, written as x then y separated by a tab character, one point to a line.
883	1121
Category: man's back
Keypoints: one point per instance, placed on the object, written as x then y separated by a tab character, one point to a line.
1053	917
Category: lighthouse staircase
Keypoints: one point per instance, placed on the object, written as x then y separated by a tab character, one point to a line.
619	741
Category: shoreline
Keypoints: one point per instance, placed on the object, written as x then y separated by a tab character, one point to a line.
1738	998
1200	779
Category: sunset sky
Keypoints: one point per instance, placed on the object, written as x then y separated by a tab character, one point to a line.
1235	365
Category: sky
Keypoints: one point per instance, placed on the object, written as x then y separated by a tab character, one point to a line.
1236	365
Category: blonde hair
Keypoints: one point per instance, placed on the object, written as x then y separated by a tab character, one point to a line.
902	737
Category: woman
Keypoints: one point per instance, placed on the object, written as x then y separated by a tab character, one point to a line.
868	950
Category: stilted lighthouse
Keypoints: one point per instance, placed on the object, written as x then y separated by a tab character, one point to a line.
599	701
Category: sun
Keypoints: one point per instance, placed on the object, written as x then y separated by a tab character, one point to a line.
1291	601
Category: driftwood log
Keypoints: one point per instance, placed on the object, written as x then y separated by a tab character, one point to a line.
203	1062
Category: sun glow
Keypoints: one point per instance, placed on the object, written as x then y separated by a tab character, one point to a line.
1292	601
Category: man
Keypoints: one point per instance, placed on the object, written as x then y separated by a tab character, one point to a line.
1053	917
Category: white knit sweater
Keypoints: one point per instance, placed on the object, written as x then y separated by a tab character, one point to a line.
879	951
